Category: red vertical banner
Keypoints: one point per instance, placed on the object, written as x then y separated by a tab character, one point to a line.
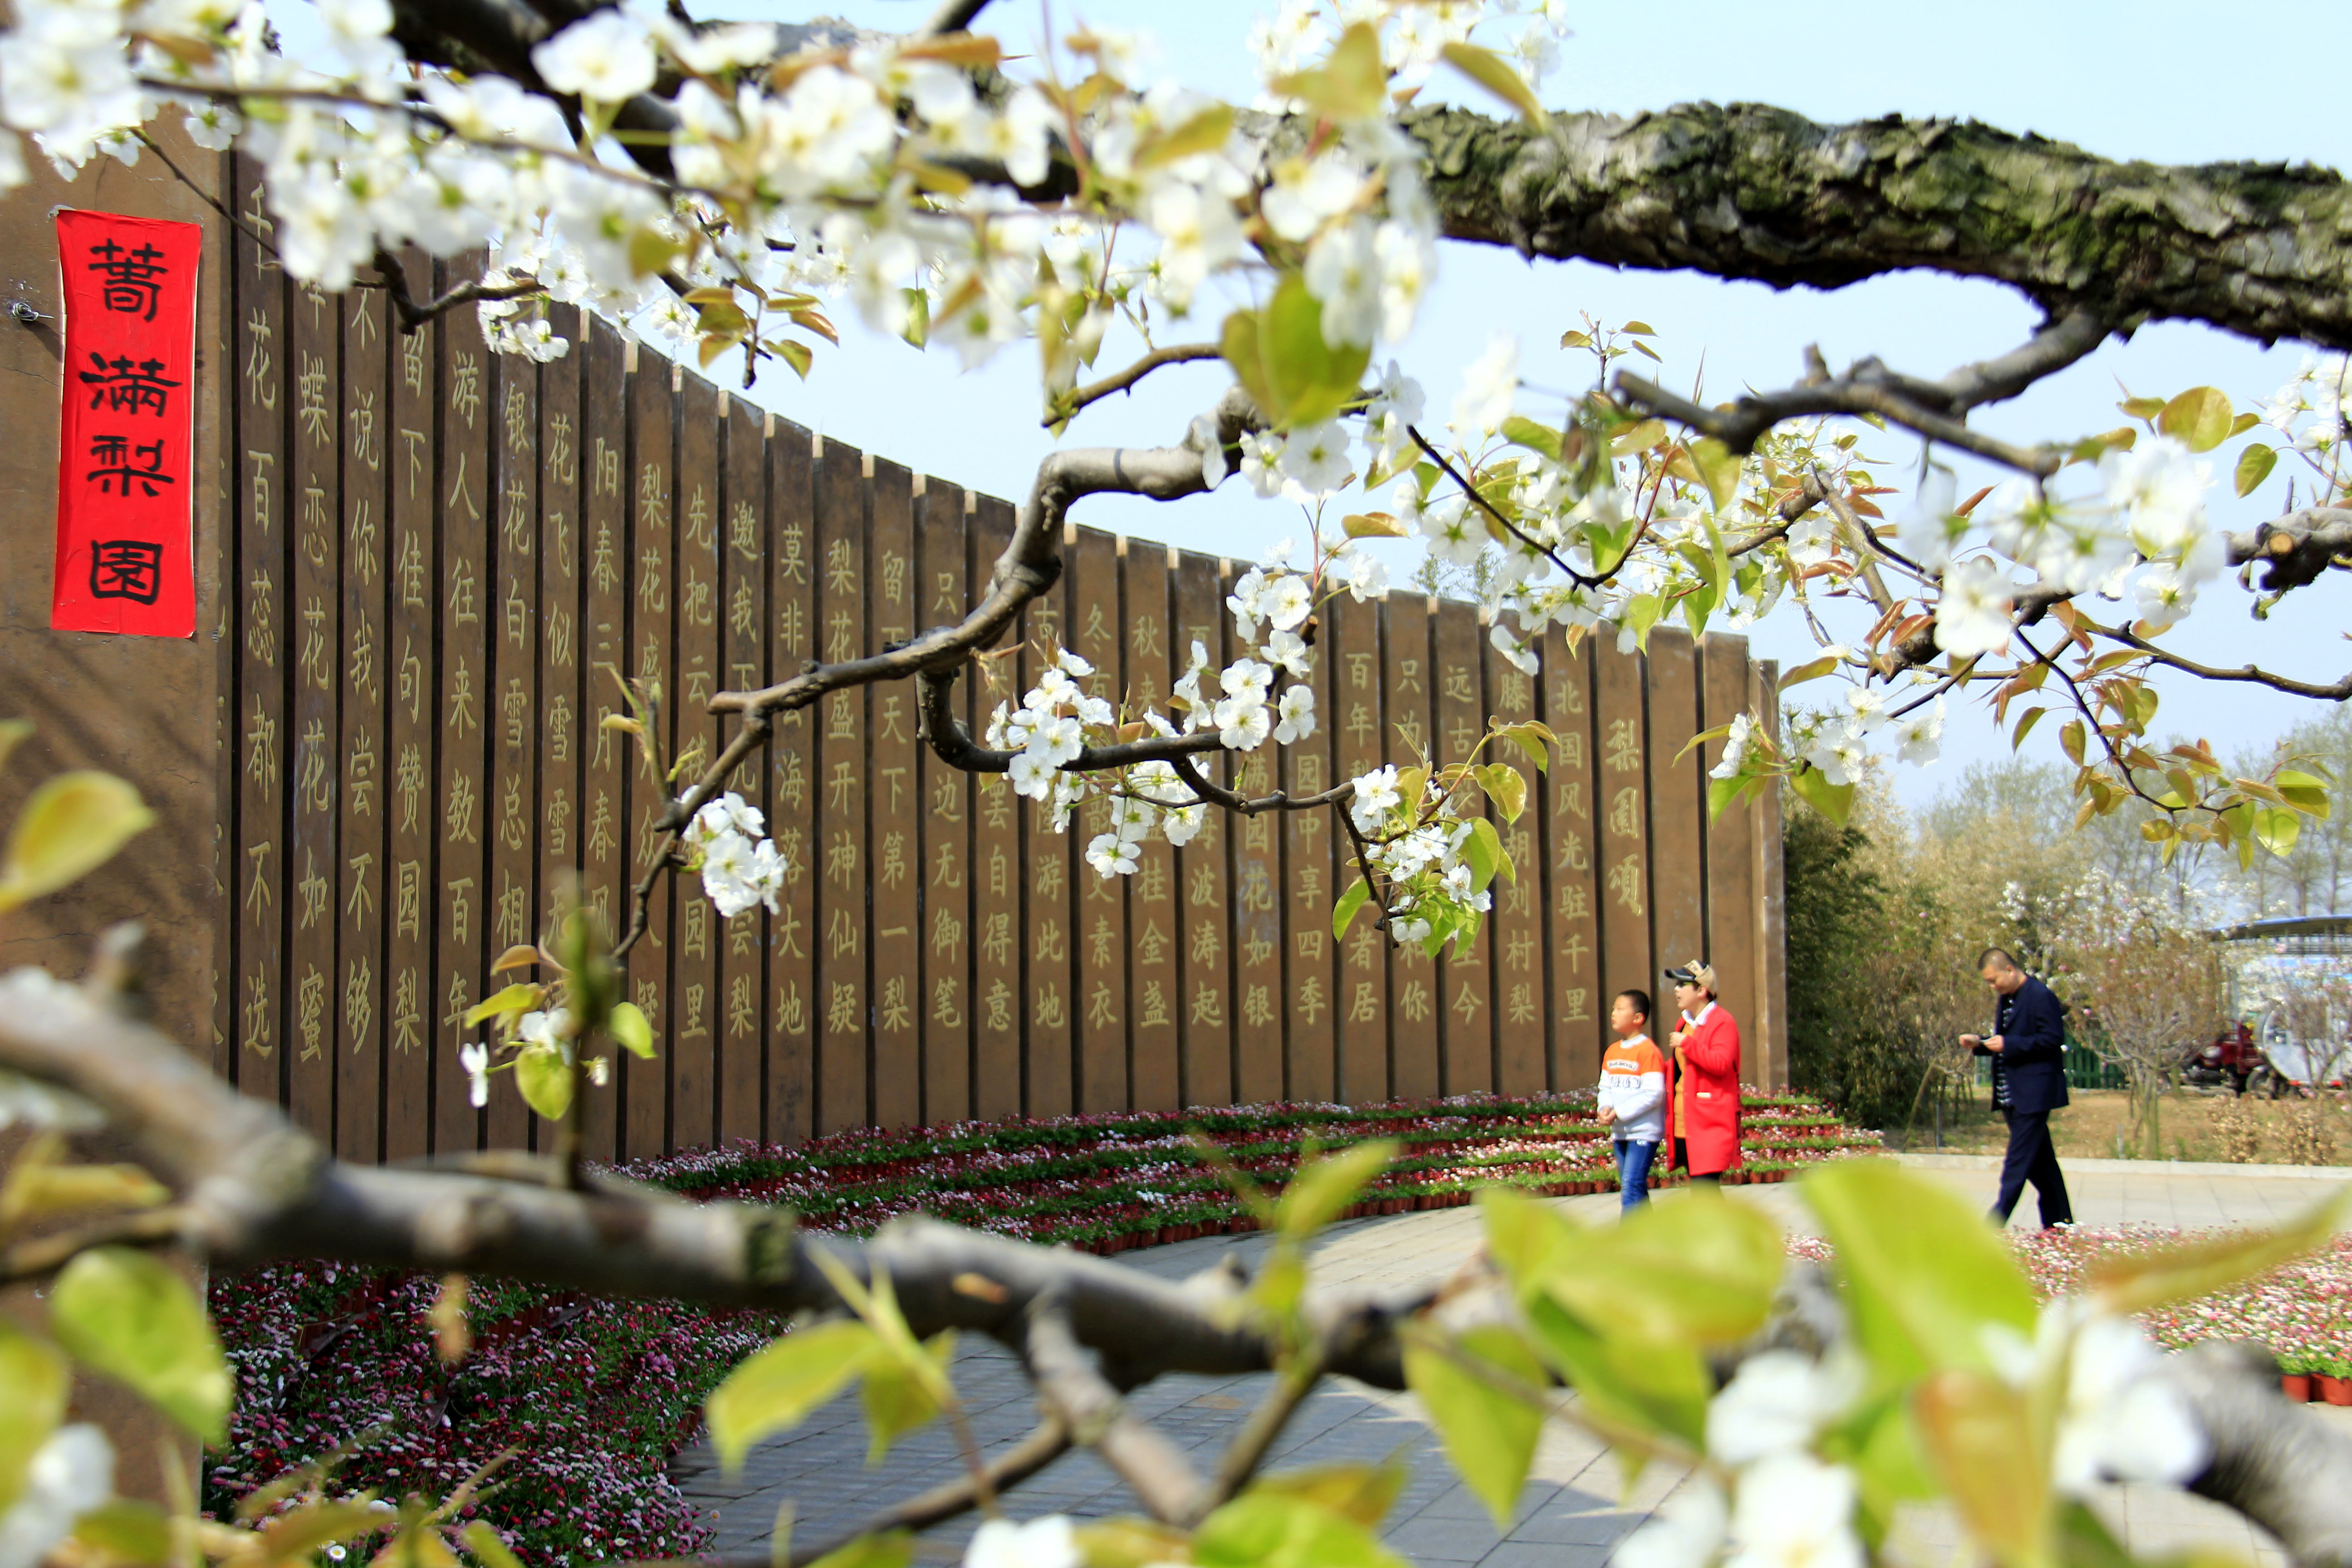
126	556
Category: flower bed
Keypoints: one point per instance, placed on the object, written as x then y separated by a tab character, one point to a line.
1113	1181
595	1396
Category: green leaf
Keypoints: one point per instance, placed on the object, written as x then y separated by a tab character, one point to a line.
126	1314
1627	1376
1325	1186
33	1383
1266	1528
73	823
2303	790
1484	851
2128	1283
545	1081
1373	525
1310	381
1490	1434
128	1531
520	997
2142	407
1343	913
1722	794
2199	417
11	731
291	1538
901	1396
1506	786
1812	669
1835	802
1925	1273
1982	1439
1495	74
2276	828
1363	1493
779	1386
1703	1272
1350	84
1521	431
2255	466
1718	466
483	1542
1204	132
887	1548
629	1028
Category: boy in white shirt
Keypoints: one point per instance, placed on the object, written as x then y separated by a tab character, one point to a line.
1633	1100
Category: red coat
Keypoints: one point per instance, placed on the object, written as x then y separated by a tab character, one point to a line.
1706	1094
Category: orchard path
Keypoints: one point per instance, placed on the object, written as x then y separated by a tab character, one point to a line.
1574	1508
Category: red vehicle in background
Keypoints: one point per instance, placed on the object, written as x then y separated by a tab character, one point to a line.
2236	1058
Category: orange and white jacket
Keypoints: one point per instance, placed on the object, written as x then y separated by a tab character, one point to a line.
1633	1085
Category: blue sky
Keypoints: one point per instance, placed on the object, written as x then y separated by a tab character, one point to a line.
2151	80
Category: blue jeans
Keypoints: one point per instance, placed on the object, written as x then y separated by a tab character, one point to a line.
1634	1157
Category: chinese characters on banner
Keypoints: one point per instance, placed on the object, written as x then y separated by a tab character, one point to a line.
126	507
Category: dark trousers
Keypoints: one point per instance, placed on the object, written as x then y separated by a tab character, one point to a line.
2032	1157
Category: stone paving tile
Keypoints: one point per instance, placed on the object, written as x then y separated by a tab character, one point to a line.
1574	1508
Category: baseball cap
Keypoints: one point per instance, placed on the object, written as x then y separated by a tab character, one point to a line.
1698	971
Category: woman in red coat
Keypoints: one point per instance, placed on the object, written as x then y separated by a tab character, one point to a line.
1705	1050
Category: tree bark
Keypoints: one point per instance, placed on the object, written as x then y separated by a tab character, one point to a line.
1753	192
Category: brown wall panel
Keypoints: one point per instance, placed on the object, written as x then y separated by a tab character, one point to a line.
1579	993
1202	876
1414	1001
893	846
840	1003
511	794
1051	894
563	698
1466	971
363	411
1771	891
793	797
607	580
1360	999
650	645
1677	849
1260	1012
1154	923
698	1003
1104	1011
943	859
464	820
315	496
1309	884
1731	933
1516	940
739	1003
1620	814
1000	1086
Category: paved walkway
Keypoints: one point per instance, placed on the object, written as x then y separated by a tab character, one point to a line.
1576	1506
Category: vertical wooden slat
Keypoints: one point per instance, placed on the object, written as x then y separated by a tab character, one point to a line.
366	746
315	492
698	1006
510	792
468	706
1309	884
791	542
1731	933
1578	1013
650	645
1051	895
1466	972
1515	945
999	931
413	1031
260	720
1154	925
895	875
1678	844
942	858
1771	891
1205	985
608	572
1414	1001
1101	934
1358	732
1255	914
564	697
743	601
1620	859
840	1003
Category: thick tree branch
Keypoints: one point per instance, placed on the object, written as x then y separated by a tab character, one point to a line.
1084	1401
2295	549
2278	1464
1750	191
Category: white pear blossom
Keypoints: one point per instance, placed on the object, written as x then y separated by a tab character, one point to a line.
1113	854
1031	775
1376	794
1314	462
1286	602
1297	713
1972	615
1928	531
68	1475
1044	1542
1778	1402
1919	734
607	56
1261	456
1686	1533
1243	722
476	1060
1736	741
1488	384
1180	825
1288	650
1794	1511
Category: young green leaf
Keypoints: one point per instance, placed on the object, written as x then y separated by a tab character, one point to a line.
128	1314
1718	467
2303	790
2255	466
1363	1493
2199	417
1492	72
1264	1528
520	997
73	823
1506	786
545	1081
1703	1272
1309	380
2131	1283
1373	525
1489	1431
1835	802
779	1386
1625	1376
33	1383
629	1028
1325	1186
1521	431
900	1395
885	1549
1343	913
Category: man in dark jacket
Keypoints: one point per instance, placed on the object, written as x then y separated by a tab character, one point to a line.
2028	1048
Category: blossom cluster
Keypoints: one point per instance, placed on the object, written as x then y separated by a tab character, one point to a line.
740	866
